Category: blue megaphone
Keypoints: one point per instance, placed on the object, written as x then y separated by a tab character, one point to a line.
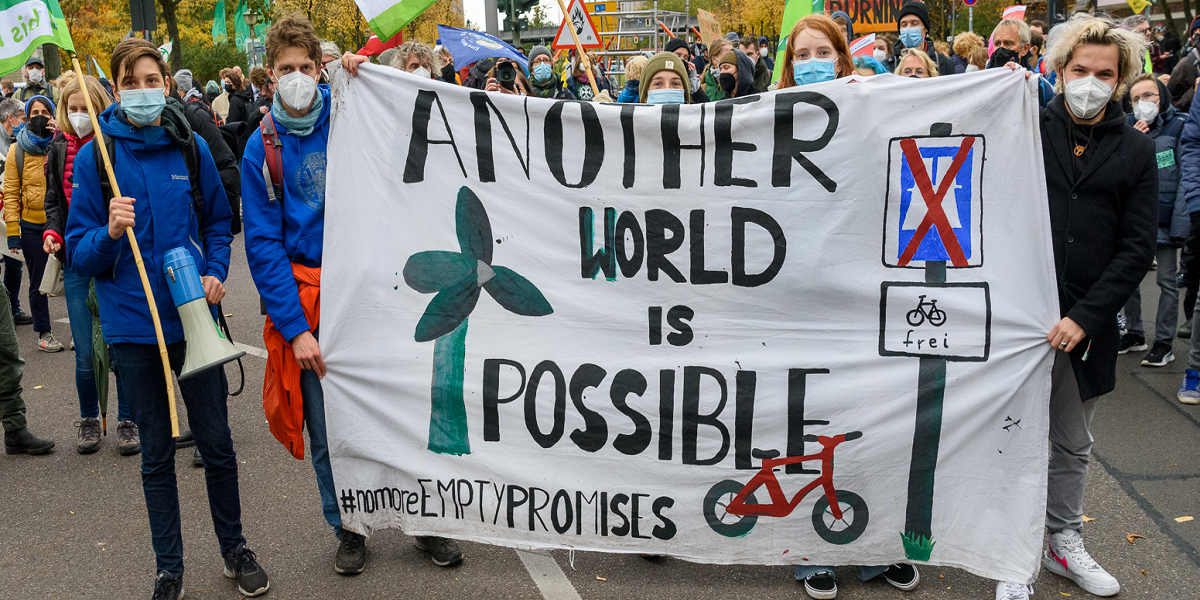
207	345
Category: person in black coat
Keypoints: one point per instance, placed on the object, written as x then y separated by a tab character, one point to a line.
241	99
200	118
1102	184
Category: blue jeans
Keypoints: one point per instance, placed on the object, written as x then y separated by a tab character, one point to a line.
318	446
75	287
864	573
140	371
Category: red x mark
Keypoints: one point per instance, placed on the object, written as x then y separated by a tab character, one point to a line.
934	215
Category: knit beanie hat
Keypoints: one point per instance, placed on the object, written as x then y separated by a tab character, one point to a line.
665	61
538	50
914	7
675	44
39	98
728	56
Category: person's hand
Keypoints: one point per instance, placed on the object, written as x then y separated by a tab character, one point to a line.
1164	78
50	245
1065	335
120	216
1012	66
308	353
603	97
14	244
492	85
214	290
1141	126
350	62
262	110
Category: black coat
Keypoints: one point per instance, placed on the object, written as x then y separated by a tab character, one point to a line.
54	202
241	103
1103	228
200	118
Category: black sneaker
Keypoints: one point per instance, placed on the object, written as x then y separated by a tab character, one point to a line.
1132	342
821	586
444	552
168	587
24	442
240	564
1159	356
22	318
351	556
902	576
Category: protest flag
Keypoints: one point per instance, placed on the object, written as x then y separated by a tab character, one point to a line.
388	17
792	12
374	45
863	46
467	46
1137	6
25	25
219	32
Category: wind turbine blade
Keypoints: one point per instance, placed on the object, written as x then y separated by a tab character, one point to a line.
432	270
472	225
447	309
517	294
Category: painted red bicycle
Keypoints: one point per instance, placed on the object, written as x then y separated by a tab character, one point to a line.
839	516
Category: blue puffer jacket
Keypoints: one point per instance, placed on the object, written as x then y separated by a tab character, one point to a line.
629	93
150	168
292	230
1189	159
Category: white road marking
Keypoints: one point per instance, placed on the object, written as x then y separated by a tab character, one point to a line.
548	576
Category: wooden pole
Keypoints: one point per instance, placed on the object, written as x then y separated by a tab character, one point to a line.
587	64
137	254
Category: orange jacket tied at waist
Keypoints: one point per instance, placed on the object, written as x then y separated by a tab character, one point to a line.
282	402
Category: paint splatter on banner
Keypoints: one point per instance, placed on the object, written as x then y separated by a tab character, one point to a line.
766	331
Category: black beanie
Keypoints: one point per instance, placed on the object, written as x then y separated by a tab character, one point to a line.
675	44
914	7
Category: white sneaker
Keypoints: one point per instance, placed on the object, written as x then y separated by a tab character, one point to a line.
1067	557
1011	590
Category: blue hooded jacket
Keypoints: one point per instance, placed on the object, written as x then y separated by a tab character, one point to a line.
291	229
151	169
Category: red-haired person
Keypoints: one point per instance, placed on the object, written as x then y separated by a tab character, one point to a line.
816	51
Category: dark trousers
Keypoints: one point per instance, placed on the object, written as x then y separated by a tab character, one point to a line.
35	259
12	406
140	374
12	282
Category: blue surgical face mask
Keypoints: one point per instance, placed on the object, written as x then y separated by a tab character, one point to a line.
664	96
542	71
814	70
143	106
911	37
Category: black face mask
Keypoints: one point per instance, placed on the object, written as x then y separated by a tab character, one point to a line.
1001	57
38	126
728	82
229	88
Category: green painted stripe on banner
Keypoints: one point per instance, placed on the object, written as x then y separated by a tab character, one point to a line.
389	22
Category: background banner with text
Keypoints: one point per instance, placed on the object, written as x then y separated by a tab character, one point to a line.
801	327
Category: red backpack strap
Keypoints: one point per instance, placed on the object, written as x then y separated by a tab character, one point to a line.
272	158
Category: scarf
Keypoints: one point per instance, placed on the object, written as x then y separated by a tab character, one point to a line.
302	125
32	144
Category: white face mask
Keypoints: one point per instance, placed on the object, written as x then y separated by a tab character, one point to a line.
1087	96
971	69
879	55
81	123
296	90
36	76
421	72
1145	110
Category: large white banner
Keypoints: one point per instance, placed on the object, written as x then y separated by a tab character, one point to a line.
802	327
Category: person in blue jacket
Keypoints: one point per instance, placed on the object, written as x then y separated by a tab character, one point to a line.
149	142
1189	181
284	226
1150	112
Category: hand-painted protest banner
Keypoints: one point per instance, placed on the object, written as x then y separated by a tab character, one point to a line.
868	17
806	326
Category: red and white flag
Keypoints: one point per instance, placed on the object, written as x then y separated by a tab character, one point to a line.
863	46
1016	11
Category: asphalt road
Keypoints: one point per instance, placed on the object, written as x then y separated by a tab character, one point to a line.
75	526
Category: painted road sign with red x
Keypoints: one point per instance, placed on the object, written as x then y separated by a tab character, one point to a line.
934	201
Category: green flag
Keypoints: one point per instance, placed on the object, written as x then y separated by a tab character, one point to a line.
219	33
794	10
242	30
388	17
27	24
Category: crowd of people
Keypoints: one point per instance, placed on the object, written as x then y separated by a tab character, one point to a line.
197	163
